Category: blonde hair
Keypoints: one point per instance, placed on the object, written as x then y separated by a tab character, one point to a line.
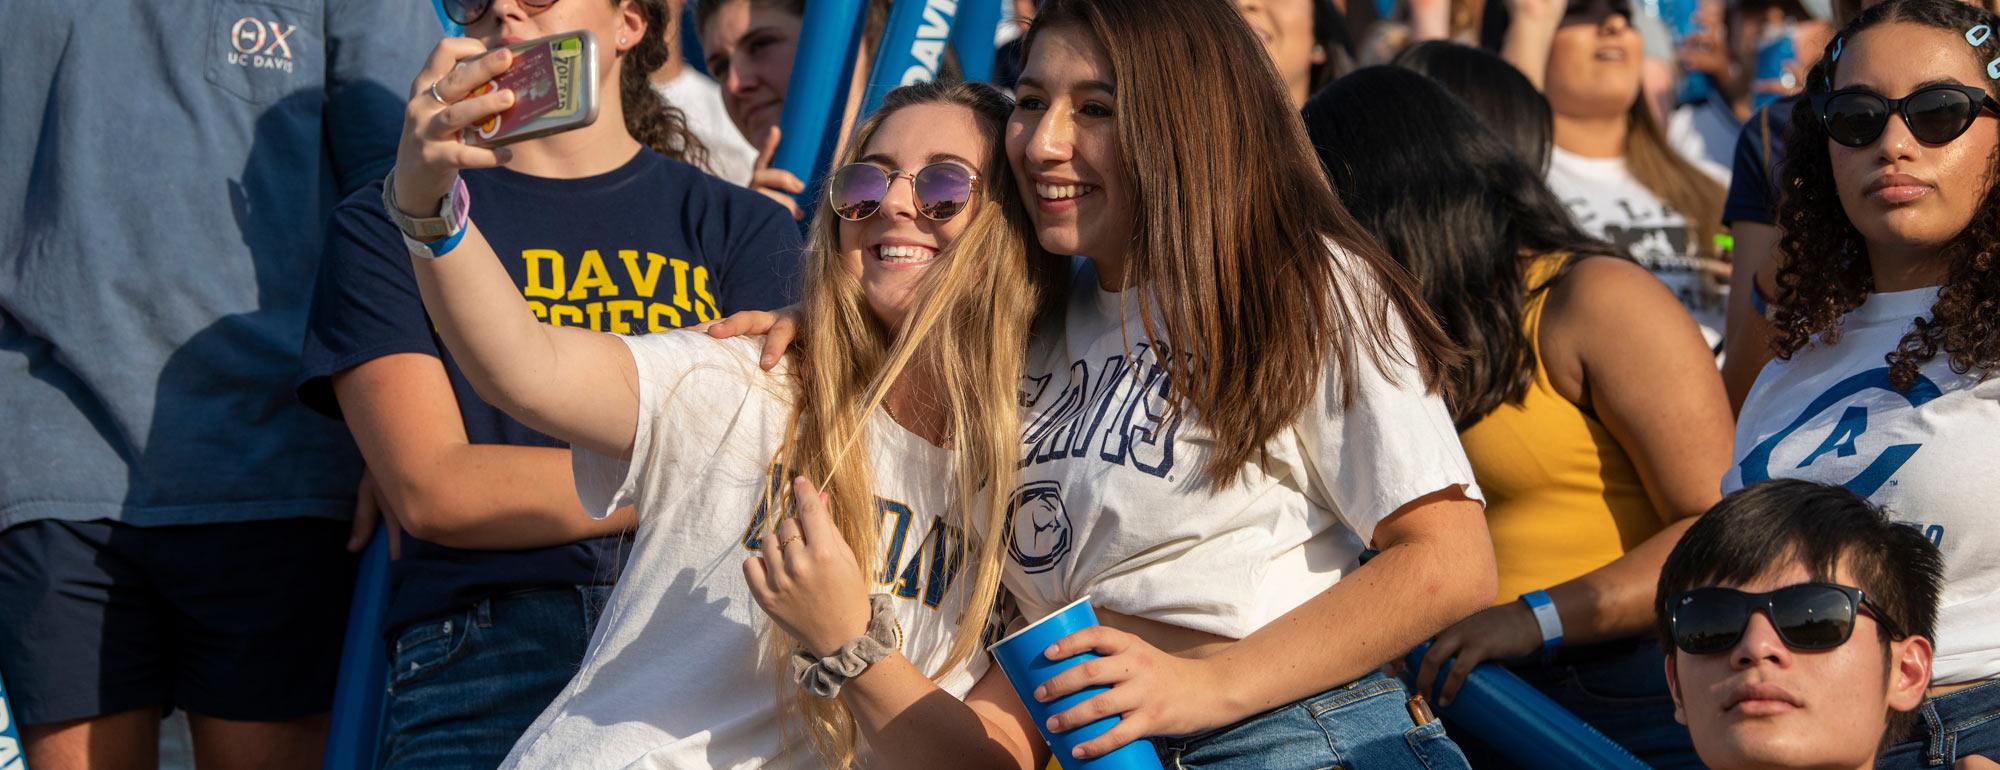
968	332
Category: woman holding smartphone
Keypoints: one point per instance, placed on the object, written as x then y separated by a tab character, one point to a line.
501	577
874	597
1239	398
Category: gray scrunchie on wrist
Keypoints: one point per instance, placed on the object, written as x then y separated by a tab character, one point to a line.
824	676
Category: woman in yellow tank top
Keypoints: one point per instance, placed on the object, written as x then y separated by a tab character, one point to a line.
1589	404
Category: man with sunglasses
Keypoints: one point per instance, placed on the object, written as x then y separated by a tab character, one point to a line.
1799	621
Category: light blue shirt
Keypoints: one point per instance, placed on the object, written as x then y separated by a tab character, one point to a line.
166	169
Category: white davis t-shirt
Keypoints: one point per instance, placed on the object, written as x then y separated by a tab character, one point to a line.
1609	203
672	678
1114	503
1928	455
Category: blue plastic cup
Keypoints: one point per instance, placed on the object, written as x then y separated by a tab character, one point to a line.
1021	657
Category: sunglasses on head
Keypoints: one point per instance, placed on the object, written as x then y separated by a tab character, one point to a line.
465	12
1595	11
1807	616
1935	114
942	190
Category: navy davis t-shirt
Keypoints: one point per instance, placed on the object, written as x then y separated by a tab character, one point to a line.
651	246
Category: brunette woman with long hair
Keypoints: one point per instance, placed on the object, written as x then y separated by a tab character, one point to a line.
1240	396
1887	327
1589	405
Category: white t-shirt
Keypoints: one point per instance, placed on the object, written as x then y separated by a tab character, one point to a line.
1608	202
1705	134
1114	503
730	156
672	678
1928	455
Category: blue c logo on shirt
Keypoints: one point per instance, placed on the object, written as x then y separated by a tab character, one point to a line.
1756	466
1038	526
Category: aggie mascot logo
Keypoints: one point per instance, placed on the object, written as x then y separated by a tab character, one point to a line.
1038	526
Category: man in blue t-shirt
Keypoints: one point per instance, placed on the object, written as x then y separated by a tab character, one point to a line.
501	574
171	519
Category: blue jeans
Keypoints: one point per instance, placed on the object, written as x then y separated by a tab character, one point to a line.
1619	688
1365	723
463	687
1950	727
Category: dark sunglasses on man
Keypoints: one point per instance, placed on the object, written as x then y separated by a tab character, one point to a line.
1807	616
465	12
1936	114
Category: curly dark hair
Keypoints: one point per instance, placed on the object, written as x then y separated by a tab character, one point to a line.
1826	274
648	116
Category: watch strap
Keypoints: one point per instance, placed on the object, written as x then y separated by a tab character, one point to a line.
453	211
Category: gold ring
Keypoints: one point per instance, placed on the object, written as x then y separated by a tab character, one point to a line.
786	542
433	90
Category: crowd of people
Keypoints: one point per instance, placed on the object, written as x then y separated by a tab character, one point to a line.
1645	352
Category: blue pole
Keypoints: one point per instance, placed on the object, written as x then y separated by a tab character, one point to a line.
912	47
12	757
816	93
691	50
972	37
354	732
1520	722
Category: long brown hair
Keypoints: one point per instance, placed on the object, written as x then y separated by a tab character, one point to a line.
1827	274
648	116
1237	228
969	333
1661	169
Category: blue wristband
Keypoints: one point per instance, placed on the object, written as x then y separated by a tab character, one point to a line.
444	245
1546	617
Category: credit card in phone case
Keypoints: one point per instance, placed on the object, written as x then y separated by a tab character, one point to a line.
568	55
534	83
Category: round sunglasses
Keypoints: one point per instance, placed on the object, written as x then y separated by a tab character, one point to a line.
942	190
465	12
1936	114
1807	616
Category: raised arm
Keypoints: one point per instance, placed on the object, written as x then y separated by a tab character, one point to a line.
1530	33
579	386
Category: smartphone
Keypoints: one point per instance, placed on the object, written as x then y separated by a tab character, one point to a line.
554	80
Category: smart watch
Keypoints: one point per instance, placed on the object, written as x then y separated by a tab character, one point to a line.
435	236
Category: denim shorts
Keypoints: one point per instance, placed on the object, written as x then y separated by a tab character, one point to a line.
464	686
1950	727
1365	724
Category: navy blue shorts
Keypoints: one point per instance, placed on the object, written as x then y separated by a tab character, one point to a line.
238	621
